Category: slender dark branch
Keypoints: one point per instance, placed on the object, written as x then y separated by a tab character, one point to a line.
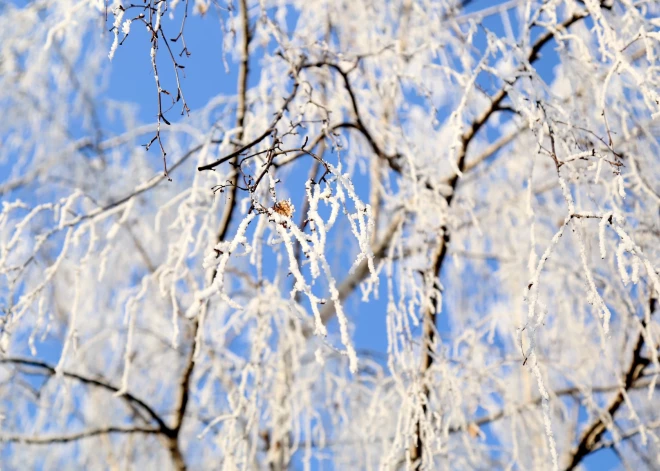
65	438
182	402
159	90
184	383
47	369
392	160
440	252
177	66
237	152
626	436
312	143
260	138
593	433
180	35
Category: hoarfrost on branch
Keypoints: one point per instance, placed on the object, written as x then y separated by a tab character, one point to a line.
407	234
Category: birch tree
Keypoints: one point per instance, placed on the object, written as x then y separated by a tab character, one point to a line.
477	180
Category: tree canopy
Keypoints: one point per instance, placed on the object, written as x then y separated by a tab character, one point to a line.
295	234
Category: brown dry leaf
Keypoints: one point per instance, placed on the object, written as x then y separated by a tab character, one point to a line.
202	8
284	207
473	430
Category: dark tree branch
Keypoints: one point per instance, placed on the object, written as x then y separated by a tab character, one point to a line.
47	369
359	125
440	252
185	383
260	138
66	438
593	434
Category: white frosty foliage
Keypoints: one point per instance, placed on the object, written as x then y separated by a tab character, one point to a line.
118	12
476	186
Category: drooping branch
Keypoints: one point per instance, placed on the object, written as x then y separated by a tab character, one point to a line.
353	280
439	254
102	384
72	437
103	210
592	435
261	137
627	435
185	382
509	411
359	125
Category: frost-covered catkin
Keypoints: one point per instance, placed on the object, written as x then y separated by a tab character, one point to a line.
634	276
594	295
604	221
545	405
621	187
73	325
621	263
126	27
225	249
119	16
599	167
130	320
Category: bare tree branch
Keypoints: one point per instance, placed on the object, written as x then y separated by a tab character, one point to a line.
72	437
47	369
592	434
440	251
